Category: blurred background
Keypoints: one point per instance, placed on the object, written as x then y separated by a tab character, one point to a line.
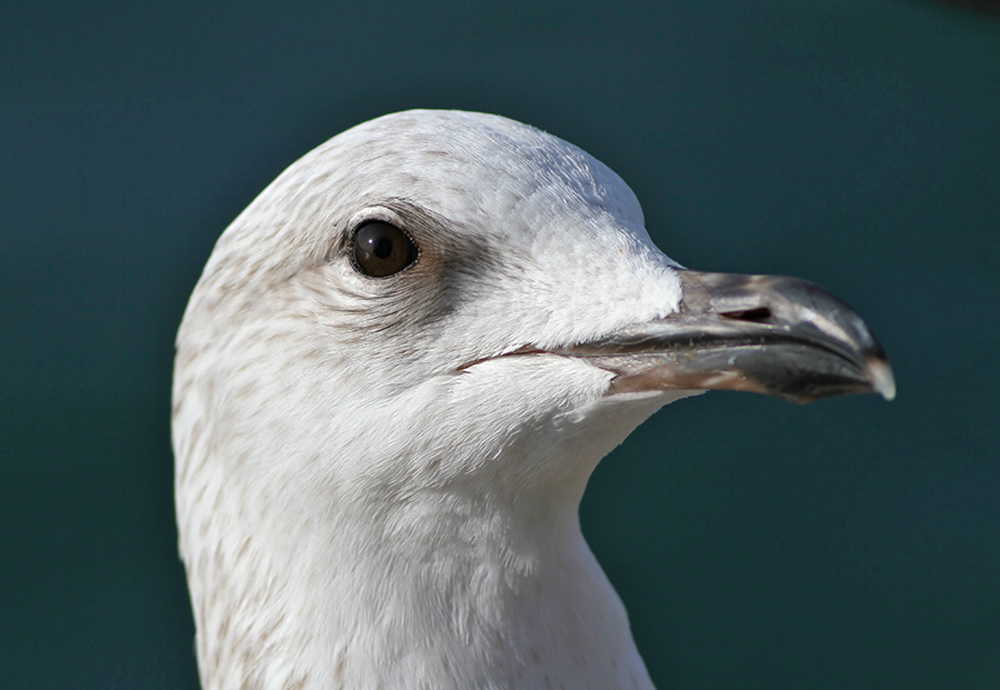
756	544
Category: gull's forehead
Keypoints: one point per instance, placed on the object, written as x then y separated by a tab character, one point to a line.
476	170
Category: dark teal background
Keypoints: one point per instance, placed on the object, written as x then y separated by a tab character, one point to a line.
757	544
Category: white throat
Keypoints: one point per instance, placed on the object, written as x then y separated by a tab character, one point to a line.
466	578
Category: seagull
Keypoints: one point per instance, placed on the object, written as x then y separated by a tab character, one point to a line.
393	380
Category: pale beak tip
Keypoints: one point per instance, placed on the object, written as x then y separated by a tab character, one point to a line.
882	379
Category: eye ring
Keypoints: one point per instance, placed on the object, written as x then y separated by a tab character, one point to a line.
380	249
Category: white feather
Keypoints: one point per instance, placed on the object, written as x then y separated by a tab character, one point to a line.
368	495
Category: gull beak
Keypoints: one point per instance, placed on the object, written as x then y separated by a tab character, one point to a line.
766	334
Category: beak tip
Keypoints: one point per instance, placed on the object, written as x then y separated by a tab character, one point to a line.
882	379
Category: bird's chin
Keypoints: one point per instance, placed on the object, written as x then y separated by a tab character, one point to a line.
653	375
637	393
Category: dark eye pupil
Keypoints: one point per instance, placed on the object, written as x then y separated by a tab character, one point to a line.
381	249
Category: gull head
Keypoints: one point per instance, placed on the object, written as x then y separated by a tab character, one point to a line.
393	380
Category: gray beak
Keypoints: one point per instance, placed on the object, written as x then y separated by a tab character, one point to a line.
766	334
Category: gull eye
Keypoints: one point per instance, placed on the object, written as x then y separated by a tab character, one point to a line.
381	249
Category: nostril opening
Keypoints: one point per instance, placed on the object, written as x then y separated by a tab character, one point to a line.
757	314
